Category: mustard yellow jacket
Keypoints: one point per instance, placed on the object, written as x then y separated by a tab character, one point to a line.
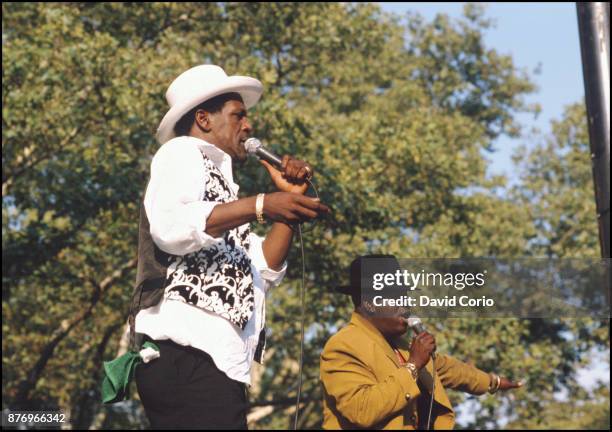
364	385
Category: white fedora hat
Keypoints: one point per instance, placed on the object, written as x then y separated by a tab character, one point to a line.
199	84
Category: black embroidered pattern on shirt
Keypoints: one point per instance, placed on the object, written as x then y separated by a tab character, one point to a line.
216	278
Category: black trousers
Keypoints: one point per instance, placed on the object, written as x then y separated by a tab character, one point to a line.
183	389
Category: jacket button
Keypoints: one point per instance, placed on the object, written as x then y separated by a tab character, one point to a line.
408	396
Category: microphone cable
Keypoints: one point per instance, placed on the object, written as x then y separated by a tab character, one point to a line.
433	384
302	292
433	387
303	317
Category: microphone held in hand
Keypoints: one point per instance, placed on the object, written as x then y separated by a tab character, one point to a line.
417	327
255	147
415	324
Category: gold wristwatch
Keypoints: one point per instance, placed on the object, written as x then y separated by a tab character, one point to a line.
413	369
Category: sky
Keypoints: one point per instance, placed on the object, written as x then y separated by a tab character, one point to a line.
538	36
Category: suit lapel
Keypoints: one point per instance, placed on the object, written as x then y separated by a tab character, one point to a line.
374	335
427	378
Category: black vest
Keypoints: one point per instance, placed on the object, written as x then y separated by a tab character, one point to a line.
216	278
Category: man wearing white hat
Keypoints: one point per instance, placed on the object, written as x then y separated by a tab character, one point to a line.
202	275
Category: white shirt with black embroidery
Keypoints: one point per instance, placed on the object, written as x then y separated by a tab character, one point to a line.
177	216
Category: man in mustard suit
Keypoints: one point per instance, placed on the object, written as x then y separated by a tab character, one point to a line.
369	382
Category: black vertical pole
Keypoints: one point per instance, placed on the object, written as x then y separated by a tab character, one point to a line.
594	29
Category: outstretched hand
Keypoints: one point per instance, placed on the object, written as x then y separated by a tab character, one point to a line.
506	384
292	207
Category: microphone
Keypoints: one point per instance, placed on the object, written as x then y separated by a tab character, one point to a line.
255	147
417	326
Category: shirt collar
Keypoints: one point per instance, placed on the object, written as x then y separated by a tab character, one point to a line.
222	160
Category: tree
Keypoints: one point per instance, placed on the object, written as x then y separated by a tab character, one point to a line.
397	148
557	182
557	189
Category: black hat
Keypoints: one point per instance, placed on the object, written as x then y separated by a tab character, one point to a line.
383	264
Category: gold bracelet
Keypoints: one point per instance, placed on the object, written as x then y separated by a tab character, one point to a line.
413	370
259	204
494	387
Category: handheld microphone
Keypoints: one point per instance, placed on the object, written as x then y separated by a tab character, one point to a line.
255	147
417	326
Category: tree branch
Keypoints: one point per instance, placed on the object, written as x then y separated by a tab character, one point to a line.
26	385
88	404
9	178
